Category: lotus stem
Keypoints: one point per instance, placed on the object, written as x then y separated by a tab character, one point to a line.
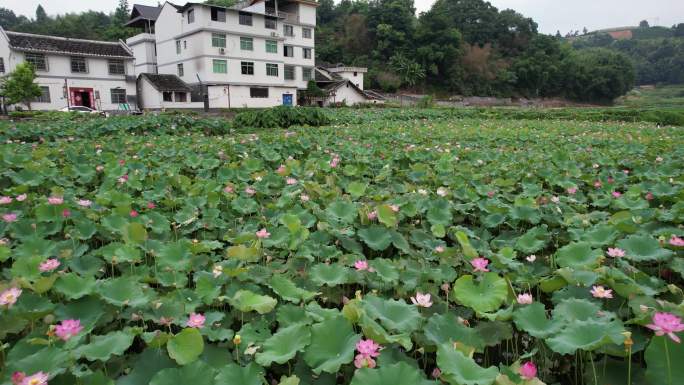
667	360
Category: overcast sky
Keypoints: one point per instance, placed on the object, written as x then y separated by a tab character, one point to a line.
551	15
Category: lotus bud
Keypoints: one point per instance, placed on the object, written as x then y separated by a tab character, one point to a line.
237	340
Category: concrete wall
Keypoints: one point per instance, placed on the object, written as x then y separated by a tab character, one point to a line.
145	52
240	97
154	100
356	79
348	95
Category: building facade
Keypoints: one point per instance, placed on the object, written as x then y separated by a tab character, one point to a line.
257	53
74	72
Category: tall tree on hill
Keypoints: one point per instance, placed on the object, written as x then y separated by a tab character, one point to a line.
644	24
122	12
41	15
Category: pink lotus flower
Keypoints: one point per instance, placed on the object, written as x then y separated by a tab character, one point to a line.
9	297
5	200
442	192
531	258
615	252
572	190
439	249
368	347
525	299
123	179
372	215
151	206
598	184
490	194
422	300
480	264
616	194
610	179
49	265
677	241
196	320
84	203
304	198
291	181
361	265
228	189
39	378
250	191
666	323
18	377
133	214
281	169
335	161
555	199
68	328
528	370
217	270
22	197
9	217
599	291
395	208
66	213
263	234
436	373
649	196
53	200
363	361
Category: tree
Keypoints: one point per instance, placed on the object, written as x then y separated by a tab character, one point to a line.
585	31
679	30
644	24
597	75
41	15
410	72
19	86
558	34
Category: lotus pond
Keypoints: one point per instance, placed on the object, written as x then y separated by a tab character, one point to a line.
381	249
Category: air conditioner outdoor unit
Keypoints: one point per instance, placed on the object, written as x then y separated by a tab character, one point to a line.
222	51
274	34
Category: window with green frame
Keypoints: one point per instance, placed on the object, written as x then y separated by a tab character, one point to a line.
271	46
271	69
218	40
247	44
220	66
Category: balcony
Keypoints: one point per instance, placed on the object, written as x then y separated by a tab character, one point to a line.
286	16
140	38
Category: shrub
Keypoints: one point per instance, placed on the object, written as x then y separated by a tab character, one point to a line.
282	117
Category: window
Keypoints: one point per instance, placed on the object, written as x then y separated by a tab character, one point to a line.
218	14
37	60
181	97
191	16
117	67
218	40
289	72
306	33
288	30
2	65
220	66
178	47
118	96
44	96
307	53
185	44
288	51
258	92
78	64
306	74
245	18
168	96
247	44
270	22
271	69
181	70
247	68
271	46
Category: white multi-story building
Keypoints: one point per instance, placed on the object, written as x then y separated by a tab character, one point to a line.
72	72
258	53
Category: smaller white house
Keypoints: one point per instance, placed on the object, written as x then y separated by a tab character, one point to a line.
344	86
163	91
72	72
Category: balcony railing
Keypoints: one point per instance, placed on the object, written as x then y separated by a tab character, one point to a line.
291	17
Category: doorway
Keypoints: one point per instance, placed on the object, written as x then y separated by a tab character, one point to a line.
287	99
82	97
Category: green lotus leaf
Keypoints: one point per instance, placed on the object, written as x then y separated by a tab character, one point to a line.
331	275
251	374
145	366
196	373
494	332
330	350
576	309
376	237
394	315
468	250
246	301
245	206
175	255
661	351
387	216
532	319
533	240
284	345
342	211
483	295
186	346
600	235
356	189
578	255
585	335
443	328
292	380
400	373
439	213
642	248
459	369
243	253
385	269
101	348
30	359
73	286
122	291
134	233
288	291
373	330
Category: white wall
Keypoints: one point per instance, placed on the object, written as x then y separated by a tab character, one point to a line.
154	100
144	50
240	97
348	94
356	79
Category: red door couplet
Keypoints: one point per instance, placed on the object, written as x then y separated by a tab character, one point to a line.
82	97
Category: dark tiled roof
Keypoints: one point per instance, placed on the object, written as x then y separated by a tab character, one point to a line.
164	82
323	75
145	12
41	43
